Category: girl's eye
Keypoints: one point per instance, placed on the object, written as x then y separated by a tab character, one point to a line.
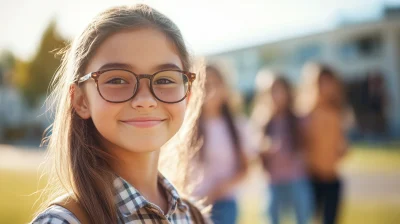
117	81
163	81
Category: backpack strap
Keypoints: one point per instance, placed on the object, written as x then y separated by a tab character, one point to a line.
197	216
67	202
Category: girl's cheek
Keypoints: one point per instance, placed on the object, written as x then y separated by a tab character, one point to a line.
182	109
177	110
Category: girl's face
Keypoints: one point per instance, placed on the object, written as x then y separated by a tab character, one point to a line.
215	91
280	96
328	87
142	124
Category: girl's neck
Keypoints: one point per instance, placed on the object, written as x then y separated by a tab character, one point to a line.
280	113
325	104
138	169
141	171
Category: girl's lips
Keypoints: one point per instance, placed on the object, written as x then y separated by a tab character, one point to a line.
143	123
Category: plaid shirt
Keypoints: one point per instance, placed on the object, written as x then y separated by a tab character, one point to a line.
132	207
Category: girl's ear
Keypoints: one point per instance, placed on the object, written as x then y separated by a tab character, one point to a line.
79	101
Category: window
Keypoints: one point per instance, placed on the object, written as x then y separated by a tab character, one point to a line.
367	46
307	53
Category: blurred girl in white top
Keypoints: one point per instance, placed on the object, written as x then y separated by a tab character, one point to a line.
222	155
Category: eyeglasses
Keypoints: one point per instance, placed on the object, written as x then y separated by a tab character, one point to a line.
120	85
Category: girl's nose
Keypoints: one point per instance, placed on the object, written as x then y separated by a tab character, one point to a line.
144	99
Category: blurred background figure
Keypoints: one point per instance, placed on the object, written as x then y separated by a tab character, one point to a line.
325	142
222	157
375	122
282	151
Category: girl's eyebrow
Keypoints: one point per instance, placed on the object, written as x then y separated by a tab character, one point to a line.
131	68
115	65
167	66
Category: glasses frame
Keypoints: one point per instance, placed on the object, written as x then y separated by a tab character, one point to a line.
95	76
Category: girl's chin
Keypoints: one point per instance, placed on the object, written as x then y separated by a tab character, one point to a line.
144	147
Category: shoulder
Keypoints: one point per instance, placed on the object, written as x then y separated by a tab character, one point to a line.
243	125
199	214
55	215
241	120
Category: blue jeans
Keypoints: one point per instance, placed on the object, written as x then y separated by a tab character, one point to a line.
224	211
296	195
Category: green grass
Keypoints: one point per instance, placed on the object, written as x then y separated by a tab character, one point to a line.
16	195
351	213
370	213
380	160
17	201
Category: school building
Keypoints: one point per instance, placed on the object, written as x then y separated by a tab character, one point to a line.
362	53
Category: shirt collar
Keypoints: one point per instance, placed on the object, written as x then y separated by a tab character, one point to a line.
129	200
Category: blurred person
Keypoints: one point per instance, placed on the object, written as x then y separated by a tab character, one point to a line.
223	157
122	92
376	104
325	142
281	148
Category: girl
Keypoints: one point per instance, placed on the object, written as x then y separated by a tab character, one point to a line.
282	154
222	156
122	92
325	138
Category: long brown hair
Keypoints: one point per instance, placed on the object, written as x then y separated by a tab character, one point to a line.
264	100
229	120
309	94
79	166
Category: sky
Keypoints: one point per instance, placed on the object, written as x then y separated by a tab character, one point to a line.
208	26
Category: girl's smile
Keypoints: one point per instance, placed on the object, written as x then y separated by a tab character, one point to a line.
144	122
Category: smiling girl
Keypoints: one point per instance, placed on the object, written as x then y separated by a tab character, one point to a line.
123	91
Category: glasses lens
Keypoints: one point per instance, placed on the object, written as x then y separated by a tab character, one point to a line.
170	86
117	85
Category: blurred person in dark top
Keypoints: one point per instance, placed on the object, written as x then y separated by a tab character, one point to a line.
281	148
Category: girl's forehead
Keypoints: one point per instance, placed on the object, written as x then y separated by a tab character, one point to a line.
143	49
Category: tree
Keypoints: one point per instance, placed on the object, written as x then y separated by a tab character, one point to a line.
40	70
20	77
7	63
